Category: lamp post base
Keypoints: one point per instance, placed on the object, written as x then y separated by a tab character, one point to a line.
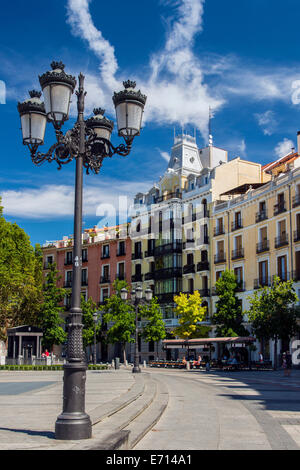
70	427
136	369
73	423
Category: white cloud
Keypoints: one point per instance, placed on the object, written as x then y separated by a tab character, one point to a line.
55	201
175	88
165	155
284	148
267	122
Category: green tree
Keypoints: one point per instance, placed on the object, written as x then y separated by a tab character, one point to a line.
272	314
122	317
228	315
88	308
20	277
51	311
155	329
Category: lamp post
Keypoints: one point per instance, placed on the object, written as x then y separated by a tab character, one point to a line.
95	318
88	142
136	301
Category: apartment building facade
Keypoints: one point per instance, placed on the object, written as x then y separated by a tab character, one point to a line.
106	256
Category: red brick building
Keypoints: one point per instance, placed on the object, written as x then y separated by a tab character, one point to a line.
106	256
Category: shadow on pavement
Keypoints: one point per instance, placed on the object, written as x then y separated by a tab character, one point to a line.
48	434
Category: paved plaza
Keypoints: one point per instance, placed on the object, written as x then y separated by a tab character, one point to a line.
211	411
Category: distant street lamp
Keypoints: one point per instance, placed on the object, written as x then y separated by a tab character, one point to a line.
95	318
88	142
136	301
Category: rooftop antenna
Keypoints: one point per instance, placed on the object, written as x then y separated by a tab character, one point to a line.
210	137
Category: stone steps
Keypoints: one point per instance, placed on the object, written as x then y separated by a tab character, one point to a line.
123	423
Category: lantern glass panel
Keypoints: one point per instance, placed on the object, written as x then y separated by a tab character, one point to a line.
33	128
134	112
57	101
102	133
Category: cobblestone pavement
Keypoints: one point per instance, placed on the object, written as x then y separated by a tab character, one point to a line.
228	410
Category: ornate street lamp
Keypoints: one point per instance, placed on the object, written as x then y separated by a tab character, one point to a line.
88	142
136	301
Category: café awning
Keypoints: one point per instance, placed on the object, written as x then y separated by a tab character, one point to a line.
194	343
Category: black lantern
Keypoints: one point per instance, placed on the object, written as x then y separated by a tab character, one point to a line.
33	119
129	106
58	88
102	126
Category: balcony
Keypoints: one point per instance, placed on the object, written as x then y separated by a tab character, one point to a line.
236	254
283	276
279	208
47	265
188	269
68	262
219	231
149	276
296	275
168	248
241	286
262	246
203	266
121	253
137	255
105	279
220	258
85	259
236	225
296	200
281	240
120	277
189	243
166	297
149	253
297	235
262	215
204	292
262	282
168	273
84	282
137	278
105	256
165	197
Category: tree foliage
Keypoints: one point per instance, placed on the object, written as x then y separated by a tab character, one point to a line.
271	311
154	330
51	311
20	277
190	313
88	308
122	317
228	315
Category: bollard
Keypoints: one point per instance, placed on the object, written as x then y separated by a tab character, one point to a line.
145	365
117	363
187	365
112	364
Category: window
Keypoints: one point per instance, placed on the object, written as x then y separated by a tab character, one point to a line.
218	275
238	272
84	255
121	248
104	294
121	271
69	257
282	267
263	272
105	251
84	279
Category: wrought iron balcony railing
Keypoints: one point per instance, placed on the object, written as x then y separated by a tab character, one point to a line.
262	246
281	240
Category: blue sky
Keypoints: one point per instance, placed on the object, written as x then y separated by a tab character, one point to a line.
239	57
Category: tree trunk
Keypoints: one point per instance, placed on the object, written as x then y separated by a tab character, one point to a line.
275	353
